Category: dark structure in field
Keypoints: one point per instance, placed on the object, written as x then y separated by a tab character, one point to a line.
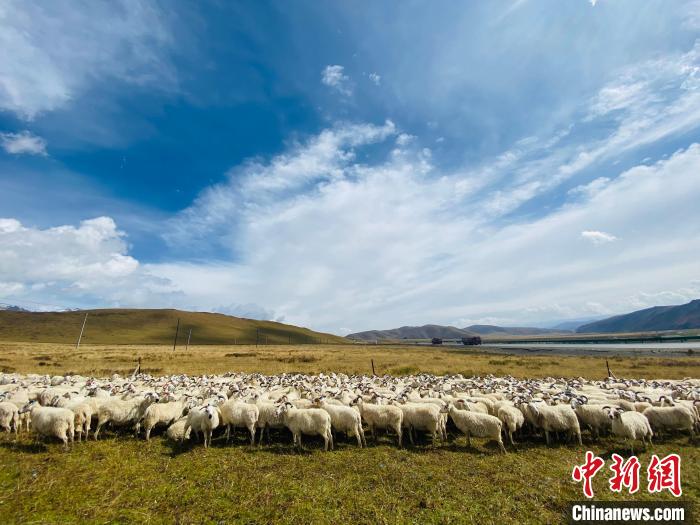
436	341
471	341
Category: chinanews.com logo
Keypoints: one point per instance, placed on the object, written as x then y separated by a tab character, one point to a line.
662	475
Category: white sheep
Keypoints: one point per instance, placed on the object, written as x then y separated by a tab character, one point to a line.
677	417
83	416
267	418
309	421
476	424
123	412
203	419
630	425
176	431
555	418
421	416
344	419
52	421
160	414
9	417
381	416
236	413
512	419
593	416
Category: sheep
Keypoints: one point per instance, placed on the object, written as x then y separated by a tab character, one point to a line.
25	419
52	421
555	418
381	416
160	414
235	413
123	412
512	420
593	416
267	418
630	425
310	421
677	417
344	419
476	424
83	416
421	416
176	432
9	417
203	419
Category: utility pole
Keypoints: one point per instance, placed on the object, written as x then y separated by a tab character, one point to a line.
189	335
257	336
77	345
177	330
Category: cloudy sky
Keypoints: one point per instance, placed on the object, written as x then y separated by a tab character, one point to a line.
505	162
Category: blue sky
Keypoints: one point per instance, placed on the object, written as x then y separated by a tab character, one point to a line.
506	162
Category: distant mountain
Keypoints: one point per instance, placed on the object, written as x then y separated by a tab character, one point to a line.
12	308
427	331
487	329
680	317
447	332
571	324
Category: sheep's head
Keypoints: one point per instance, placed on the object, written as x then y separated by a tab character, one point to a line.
283	408
209	410
152	397
613	412
28	406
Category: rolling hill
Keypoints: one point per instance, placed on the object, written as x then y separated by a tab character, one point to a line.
427	331
487	329
145	326
679	317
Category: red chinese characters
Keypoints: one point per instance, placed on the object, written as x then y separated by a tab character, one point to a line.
665	474
662	474
587	471
625	474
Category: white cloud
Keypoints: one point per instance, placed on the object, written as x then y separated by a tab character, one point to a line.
75	264
650	101
53	51
376	78
597	237
381	244
255	185
326	241
23	143
590	189
334	76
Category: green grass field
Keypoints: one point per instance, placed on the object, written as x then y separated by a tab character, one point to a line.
120	479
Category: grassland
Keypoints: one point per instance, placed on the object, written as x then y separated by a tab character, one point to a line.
103	360
144	326
122	480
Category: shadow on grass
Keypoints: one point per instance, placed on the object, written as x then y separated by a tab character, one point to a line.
30	448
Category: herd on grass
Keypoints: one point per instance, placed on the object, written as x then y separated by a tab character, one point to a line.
501	409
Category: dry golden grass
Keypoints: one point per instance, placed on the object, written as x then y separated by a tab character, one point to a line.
102	360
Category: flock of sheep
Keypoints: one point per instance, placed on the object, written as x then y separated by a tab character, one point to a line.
495	408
